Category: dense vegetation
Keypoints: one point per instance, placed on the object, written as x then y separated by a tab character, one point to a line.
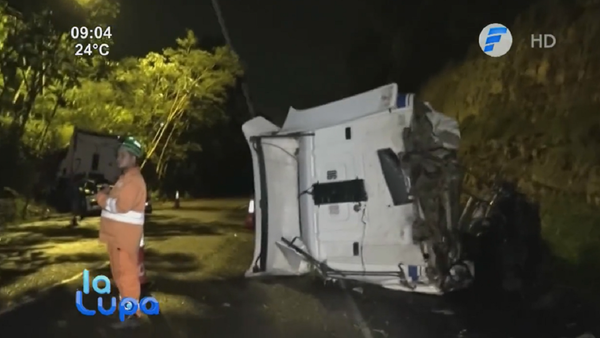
533	116
165	98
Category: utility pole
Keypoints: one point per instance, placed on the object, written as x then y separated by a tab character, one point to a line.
225	33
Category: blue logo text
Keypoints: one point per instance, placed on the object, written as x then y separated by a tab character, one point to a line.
495	40
493	37
127	306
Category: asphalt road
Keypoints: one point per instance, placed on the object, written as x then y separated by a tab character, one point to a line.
196	256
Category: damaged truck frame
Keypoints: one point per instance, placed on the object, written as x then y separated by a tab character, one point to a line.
368	188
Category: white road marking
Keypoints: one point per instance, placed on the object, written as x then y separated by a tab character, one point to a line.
28	300
358	317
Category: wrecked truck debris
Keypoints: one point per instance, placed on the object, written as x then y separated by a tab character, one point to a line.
366	188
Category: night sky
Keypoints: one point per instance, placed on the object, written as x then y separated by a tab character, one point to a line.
296	52
293	50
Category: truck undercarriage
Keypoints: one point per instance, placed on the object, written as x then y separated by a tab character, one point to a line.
498	232
498	235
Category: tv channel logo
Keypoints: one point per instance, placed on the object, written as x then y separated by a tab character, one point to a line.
127	306
495	40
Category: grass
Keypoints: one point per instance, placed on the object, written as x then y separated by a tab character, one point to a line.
571	229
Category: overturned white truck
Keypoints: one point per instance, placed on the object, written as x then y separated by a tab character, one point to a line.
90	161
365	188
91	153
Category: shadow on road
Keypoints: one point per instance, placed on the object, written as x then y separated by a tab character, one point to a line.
27	262
165	226
229	305
24	249
466	314
55	314
219	308
204	296
226	306
55	231
213	208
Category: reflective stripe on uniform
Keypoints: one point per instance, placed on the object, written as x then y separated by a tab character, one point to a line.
130	217
111	205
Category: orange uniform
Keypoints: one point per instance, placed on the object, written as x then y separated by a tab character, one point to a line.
122	229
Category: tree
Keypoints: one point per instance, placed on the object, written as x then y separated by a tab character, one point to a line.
158	96
45	91
173	89
96	12
38	70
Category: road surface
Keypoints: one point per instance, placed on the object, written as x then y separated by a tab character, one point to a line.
196	255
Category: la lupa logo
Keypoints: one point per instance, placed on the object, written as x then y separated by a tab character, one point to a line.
127	306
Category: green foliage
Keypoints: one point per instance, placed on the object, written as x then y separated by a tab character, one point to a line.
97	12
45	92
533	113
157	96
570	227
534	116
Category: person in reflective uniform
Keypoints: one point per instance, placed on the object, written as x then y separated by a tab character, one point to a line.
122	224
